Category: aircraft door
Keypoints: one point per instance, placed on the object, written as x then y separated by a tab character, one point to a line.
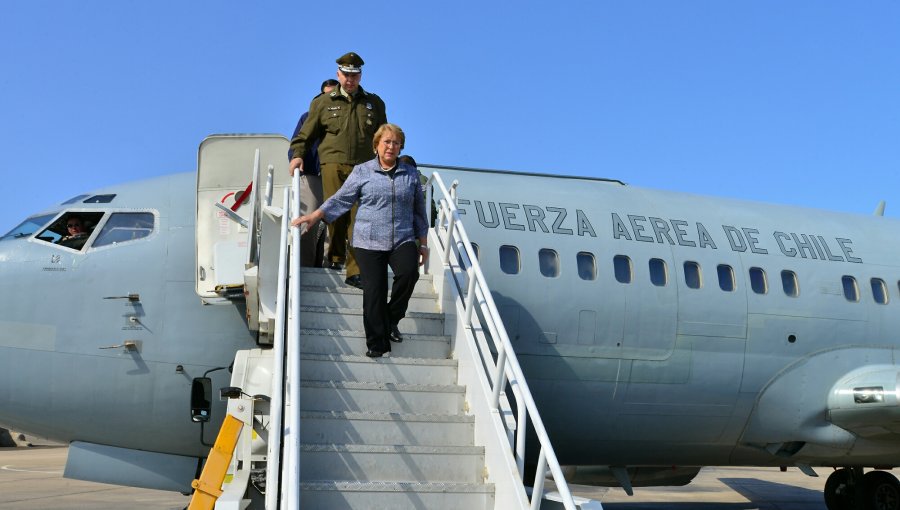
227	201
711	300
650	296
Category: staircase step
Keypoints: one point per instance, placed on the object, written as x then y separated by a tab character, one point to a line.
326	367
391	463
322	317
351	297
381	397
394	495
319	277
387	428
329	341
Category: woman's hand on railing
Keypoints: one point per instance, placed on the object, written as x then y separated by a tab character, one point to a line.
308	219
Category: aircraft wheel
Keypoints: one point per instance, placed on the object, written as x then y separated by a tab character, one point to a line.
882	490
838	491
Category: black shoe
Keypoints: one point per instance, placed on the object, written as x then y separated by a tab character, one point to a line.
395	334
335	266
354	281
372	353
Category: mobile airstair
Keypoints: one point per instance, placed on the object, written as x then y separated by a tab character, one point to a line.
313	423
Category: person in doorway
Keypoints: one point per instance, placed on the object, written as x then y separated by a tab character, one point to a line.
312	243
344	121
390	219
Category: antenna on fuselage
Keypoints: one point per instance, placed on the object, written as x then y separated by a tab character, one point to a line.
879	210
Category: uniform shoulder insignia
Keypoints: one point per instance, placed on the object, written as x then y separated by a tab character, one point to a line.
333	93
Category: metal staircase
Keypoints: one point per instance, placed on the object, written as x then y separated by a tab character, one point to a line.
384	432
324	426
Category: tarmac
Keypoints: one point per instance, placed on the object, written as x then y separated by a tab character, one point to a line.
31	478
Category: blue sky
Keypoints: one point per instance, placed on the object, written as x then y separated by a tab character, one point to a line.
793	102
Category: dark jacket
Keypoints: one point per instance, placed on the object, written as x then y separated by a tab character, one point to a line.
311	157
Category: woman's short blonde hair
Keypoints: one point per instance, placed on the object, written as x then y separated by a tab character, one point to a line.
393	128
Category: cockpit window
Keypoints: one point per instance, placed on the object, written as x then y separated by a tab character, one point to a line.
100	199
124	227
72	229
72	200
28	227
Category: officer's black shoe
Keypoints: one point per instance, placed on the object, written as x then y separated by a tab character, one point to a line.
372	353
335	266
354	281
395	334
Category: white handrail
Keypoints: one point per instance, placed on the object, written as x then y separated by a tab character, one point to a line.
507	364
253	230
292	478
276	423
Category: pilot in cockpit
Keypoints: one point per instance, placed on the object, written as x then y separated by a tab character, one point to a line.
76	235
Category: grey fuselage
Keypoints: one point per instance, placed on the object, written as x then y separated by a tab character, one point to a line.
59	307
623	373
644	374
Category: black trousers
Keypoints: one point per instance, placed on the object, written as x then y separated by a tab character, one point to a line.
379	314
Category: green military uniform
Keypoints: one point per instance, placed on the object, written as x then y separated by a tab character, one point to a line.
345	127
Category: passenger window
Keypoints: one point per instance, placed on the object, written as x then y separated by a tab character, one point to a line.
622	267
509	259
476	249
549	262
692	277
789	283
124	227
659	273
851	290
587	265
726	278
758	281
879	291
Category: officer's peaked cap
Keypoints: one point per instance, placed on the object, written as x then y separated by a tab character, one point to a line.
350	63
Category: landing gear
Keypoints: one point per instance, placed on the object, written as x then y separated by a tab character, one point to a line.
850	489
882	490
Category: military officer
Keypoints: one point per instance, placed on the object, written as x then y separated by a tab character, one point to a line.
344	121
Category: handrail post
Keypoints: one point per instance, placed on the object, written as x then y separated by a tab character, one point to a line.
521	427
270	178
276	426
499	374
428	193
537	491
470	299
446	255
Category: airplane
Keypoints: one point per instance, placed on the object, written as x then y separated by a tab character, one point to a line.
659	331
